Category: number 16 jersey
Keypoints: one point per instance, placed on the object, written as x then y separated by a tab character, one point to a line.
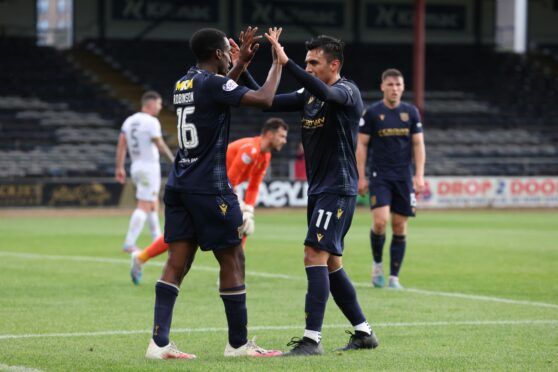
202	101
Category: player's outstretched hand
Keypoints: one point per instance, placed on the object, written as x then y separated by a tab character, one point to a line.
235	51
248	45
278	52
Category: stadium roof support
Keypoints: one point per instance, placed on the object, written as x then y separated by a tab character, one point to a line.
419	54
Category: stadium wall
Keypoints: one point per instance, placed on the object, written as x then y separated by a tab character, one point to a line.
377	21
18	18
441	192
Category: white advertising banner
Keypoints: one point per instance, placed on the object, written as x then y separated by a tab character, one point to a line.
441	192
499	192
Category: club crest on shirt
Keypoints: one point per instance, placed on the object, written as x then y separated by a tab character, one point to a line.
319	236
382	117
339	213
223	207
404	116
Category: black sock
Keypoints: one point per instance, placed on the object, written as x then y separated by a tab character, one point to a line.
165	297
377	243
345	297
397	252
316	297
234	300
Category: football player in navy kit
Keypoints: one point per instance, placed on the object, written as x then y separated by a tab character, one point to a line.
331	107
200	206
393	131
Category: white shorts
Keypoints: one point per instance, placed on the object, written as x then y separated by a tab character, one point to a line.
147	178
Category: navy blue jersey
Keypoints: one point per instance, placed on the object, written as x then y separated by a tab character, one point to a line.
202	101
391	132
329	137
329	134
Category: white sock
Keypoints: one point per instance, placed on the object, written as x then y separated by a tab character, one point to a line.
153	220
314	335
363	327
134	229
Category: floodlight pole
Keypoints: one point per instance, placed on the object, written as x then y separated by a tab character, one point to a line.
419	54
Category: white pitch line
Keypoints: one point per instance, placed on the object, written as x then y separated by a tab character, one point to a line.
5	367
120	261
286	328
482	298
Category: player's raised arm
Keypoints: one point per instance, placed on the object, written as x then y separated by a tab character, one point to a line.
263	97
322	90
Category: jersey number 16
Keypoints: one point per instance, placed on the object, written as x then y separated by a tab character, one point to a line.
187	133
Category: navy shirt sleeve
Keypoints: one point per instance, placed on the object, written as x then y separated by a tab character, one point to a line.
338	94
227	91
288	102
366	124
416	126
249	81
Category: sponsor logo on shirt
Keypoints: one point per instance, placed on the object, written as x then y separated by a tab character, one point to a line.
390	132
313	123
184	85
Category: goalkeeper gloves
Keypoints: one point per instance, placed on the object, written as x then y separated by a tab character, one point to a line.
248	224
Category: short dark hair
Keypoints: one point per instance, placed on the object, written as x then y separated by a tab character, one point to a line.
273	124
205	42
150	95
391	72
332	47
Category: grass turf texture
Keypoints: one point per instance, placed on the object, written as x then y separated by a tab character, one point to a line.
66	278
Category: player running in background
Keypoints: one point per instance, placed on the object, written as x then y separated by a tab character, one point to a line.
247	160
393	130
201	208
141	136
331	107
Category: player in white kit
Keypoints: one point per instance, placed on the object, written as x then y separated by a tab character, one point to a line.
141	136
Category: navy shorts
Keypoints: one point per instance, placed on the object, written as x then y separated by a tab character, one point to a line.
398	194
329	219
213	221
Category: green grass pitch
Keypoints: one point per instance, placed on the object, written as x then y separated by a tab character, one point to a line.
482	295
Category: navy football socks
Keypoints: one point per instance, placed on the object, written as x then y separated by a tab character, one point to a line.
377	243
397	251
344	295
165	297
316	296
234	300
